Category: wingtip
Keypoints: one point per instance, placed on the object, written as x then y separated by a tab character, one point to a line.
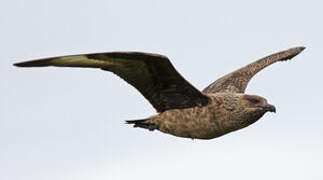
290	53
18	64
302	47
33	63
298	49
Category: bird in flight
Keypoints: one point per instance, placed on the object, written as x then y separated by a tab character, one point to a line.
183	110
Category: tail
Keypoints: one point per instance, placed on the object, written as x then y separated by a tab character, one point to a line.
142	123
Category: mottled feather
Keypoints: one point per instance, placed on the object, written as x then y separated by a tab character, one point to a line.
237	81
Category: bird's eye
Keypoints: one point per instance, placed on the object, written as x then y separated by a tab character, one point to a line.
255	101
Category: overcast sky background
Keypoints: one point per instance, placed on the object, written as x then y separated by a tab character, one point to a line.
63	123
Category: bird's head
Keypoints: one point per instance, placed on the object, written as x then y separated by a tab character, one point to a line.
253	103
250	108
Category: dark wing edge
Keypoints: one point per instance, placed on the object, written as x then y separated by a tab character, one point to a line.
152	75
237	81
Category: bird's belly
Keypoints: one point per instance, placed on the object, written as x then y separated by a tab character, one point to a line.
195	123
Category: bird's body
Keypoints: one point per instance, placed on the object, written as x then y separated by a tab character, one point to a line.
224	113
183	110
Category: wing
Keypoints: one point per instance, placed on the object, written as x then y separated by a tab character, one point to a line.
151	74
238	80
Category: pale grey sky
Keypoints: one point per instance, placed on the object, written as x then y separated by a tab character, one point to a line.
62	124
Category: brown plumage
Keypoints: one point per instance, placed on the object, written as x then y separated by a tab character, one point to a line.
184	111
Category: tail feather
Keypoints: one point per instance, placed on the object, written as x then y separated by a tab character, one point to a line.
142	123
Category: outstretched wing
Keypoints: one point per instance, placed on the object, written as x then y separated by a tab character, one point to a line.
151	74
237	81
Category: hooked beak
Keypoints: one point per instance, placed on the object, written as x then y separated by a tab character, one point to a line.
268	107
